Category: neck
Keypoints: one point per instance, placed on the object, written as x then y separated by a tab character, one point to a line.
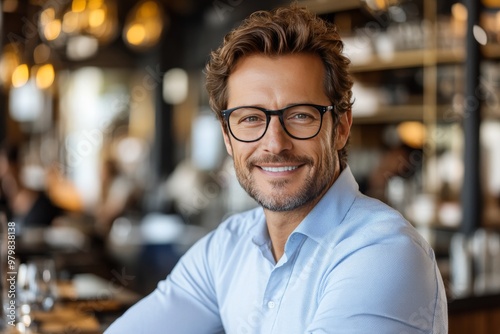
280	225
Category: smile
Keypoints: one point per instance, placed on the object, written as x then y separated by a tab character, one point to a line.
279	169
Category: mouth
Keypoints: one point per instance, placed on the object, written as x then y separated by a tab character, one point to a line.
279	165
279	169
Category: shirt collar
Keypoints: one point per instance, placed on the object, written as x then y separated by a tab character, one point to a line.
259	229
328	213
331	209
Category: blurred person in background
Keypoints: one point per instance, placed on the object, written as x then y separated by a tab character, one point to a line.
8	182
121	175
23	191
317	256
117	195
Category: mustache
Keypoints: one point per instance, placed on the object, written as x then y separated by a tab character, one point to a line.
282	158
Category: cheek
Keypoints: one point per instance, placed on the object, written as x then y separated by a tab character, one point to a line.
328	141
323	152
240	152
329	153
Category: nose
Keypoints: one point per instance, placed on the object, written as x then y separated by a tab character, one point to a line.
276	140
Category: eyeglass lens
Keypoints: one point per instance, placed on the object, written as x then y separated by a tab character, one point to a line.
301	121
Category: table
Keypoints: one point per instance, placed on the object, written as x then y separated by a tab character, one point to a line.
86	305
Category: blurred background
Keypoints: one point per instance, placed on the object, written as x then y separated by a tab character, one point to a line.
112	162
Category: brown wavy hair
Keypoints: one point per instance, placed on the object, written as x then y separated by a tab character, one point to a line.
285	30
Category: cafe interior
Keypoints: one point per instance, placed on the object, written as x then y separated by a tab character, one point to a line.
112	164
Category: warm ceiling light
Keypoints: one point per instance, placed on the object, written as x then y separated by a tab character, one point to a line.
148	9
136	34
45	76
103	20
459	11
8	63
47	16
97	17
144	25
381	4
95	4
70	22
376	4
52	30
78	6
412	134
20	76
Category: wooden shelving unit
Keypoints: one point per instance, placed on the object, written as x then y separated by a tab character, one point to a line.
422	103
400	113
491	51
391	114
408	59
325	6
467	315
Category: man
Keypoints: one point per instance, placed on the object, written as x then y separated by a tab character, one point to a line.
317	256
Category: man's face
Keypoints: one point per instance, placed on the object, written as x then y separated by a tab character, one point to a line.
279	172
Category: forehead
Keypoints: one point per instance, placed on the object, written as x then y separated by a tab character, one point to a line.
291	78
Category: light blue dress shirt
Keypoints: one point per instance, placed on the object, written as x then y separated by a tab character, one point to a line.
353	265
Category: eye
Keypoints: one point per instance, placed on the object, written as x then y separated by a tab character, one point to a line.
251	119
302	114
248	117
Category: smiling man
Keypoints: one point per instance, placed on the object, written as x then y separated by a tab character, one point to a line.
316	256
288	161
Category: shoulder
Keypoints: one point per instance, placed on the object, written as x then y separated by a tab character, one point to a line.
373	235
376	222
378	254
210	253
240	225
234	231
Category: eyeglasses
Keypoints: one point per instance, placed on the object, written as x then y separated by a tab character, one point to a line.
300	121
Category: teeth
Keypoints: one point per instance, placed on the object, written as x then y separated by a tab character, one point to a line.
279	169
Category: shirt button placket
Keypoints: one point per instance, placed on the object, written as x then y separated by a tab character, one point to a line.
271	304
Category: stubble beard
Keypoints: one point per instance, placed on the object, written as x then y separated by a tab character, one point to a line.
281	200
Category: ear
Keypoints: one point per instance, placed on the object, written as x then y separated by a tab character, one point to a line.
227	141
343	129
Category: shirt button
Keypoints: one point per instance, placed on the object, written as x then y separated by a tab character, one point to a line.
271	304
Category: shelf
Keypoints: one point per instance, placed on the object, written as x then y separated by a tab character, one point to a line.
411	58
491	113
391	114
491	50
325	7
402	113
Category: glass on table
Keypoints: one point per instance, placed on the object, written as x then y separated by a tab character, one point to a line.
36	289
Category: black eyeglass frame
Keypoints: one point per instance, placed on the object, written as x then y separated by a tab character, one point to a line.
280	112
